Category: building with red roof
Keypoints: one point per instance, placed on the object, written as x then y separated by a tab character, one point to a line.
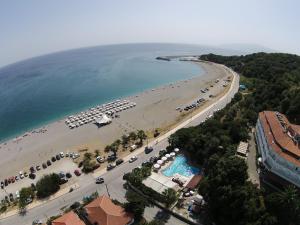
278	142
102	211
69	218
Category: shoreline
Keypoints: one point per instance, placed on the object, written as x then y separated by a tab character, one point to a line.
155	109
47	123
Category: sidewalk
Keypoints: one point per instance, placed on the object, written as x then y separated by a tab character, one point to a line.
37	203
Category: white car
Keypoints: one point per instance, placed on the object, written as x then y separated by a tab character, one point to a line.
100	159
132	159
75	156
17	194
62	154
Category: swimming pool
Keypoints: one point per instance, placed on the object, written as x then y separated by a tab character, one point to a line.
180	166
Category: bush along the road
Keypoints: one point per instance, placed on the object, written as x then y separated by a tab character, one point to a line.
27	194
47	185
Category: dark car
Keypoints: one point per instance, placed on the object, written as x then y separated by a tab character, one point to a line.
32	170
153	159
119	161
33	186
32	176
99	180
112	157
11	197
77	172
48	163
148	150
44	165
111	166
68	175
53	159
57	157
5	182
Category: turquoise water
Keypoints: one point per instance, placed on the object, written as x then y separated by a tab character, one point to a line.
180	166
43	89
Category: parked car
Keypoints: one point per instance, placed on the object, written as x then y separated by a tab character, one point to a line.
111	166
112	156
57	157
11	197
62	154
53	159
119	161
38	168
17	194
32	176
2	184
68	175
33	186
44	165
32	170
5	182
25	175
77	172
67	154
100	159
153	159
132	159
148	149
75	155
21	174
99	180
133	147
37	222
49	163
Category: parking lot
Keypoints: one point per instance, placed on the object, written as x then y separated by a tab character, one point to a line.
63	165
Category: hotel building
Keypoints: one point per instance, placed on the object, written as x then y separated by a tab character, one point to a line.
278	142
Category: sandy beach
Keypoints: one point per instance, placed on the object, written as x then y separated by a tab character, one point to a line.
156	108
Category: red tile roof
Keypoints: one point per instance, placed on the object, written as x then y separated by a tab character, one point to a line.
278	135
69	218
103	211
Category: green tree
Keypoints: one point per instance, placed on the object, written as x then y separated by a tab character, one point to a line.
47	185
97	152
141	136
124	140
135	204
25	194
132	136
170	196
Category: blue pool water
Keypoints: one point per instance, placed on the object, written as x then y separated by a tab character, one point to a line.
180	166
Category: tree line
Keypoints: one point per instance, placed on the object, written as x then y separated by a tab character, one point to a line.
273	82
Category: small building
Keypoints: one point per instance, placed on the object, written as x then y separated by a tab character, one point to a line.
69	218
102	211
242	149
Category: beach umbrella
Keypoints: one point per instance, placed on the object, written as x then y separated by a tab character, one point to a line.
176	150
164	158
167	155
160	162
172	154
156	166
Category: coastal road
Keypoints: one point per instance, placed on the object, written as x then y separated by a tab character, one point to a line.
113	178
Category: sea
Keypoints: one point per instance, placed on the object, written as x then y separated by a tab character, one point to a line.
43	89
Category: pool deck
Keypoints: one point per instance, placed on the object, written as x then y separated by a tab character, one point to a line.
159	182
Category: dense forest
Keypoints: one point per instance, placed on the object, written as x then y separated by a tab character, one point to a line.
273	82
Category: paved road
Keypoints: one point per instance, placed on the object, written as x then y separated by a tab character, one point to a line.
113	178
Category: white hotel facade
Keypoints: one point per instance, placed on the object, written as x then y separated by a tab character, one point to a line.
278	142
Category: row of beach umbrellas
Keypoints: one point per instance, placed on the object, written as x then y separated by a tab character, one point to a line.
165	158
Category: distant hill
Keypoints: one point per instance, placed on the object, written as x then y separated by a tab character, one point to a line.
247	48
